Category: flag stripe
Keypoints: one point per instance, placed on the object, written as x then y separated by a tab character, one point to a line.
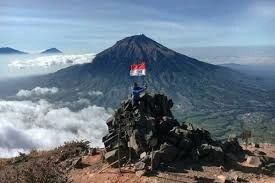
138	66
138	69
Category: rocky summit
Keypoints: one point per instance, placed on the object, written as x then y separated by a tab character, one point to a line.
148	135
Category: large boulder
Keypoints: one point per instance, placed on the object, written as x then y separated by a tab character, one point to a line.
254	161
166	124
195	155
185	144
111	156
232	145
168	152
269	169
140	165
211	154
204	135
110	122
173	138
155	159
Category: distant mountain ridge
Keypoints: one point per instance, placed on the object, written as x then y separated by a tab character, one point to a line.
8	50
51	50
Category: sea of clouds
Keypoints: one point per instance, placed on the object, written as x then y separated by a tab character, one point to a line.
37	91
26	124
95	93
52	60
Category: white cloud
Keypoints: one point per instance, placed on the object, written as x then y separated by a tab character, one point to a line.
26	125
37	91
52	60
95	93
83	101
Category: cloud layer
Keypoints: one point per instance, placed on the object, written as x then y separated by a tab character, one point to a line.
26	125
232	54
52	60
37	91
95	93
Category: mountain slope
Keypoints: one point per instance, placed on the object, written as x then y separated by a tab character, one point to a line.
8	50
193	84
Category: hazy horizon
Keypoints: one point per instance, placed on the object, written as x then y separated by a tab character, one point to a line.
32	64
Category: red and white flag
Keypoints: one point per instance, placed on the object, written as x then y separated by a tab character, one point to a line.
138	69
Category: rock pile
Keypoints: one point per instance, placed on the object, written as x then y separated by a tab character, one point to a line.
149	134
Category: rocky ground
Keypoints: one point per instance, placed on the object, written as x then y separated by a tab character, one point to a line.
244	170
79	165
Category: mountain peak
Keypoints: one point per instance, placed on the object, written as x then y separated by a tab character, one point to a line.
167	71
8	50
51	50
139	40
135	48
140	48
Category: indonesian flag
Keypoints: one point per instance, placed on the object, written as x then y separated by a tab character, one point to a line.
138	69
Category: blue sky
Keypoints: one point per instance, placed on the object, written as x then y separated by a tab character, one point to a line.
82	25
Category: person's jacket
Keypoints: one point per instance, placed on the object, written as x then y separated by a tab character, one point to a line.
137	90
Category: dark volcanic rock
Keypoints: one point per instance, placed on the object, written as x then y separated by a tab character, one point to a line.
212	154
155	136
168	152
232	146
111	156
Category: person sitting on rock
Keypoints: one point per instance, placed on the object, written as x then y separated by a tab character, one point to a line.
136	93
